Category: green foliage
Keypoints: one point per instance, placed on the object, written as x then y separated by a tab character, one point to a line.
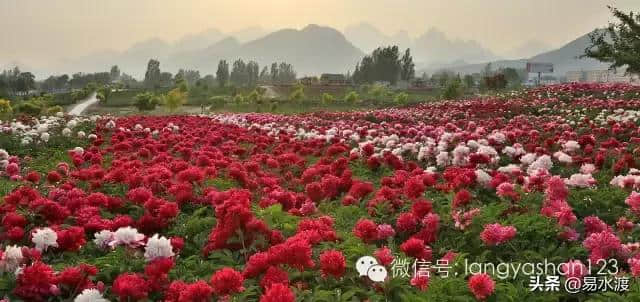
327	98
218	100
254	97
401	98
79	95
32	107
453	90
174	99
277	219
146	101
222	75
238	99
5	108
619	43
384	64
351	97
53	110
297	95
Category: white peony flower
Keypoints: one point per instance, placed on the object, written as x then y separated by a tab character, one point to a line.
571	146
90	295
581	180
81	134
103	238
45	238
587	168
158	247
542	163
528	158
442	159
11	259
44	137
128	236
563	157
66	132
72	124
78	150
483	177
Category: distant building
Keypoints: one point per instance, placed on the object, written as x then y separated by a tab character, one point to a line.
600	76
575	76
419	83
309	81
333	79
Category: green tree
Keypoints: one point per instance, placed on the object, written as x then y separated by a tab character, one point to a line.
383	64
401	98
512	77
217	100
146	101
297	95
328	99
408	70
254	97
152	75
5	108
469	82
25	82
351	97
274	73
253	73
104	93
377	91
238	99
619	43
453	90
174	99
114	74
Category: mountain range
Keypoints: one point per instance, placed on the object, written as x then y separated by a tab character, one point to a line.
432	47
564	59
316	49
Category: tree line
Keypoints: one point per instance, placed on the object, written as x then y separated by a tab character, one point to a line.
249	74
385	64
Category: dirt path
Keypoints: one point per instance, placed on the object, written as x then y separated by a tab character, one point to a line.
79	108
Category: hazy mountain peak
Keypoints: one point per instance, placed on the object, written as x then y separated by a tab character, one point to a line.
249	33
198	40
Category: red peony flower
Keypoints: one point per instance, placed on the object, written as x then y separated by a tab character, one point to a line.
71	239
33	177
416	248
495	234
366	229
384	256
53	177
130	287
37	282
227	281
332	263
274	275
196	292
481	285
420	282
278	293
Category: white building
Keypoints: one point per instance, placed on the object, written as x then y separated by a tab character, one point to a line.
600	76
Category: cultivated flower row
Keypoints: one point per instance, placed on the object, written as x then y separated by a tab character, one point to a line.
262	207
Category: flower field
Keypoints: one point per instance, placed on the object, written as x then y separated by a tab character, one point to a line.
278	208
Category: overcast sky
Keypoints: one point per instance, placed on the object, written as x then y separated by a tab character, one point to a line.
37	31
